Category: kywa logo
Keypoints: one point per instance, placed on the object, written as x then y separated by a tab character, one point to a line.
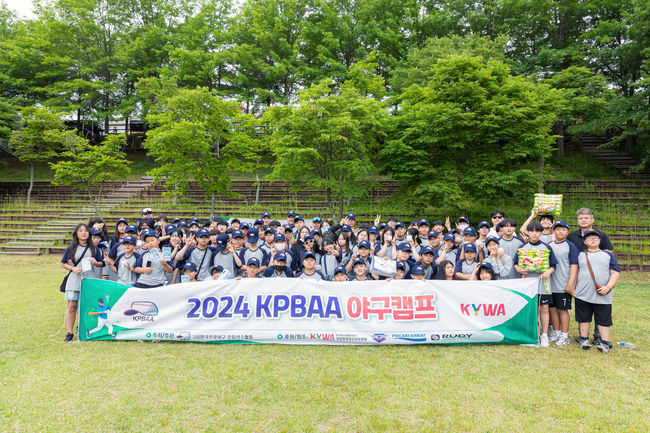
487	310
326	337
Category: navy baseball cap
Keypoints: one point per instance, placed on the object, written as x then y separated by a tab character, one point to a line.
483	224
427	250
222	222
146	210
252	238
469	247
253	261
339	269
291	214
217	268
169	228
279	237
280	256
149	234
203	232
491	239
269	230
351	216
237	234
469	231
364	244
449	237
176	220
307	254
258	222
244	226
561	224
485	266
288	229
346	228
95	232
382	226
358	261
438	223
182	224
129	240
194	218
275	223
591	232
399	224
130	229
418	270
400	265
189	266
191	232
299	218
373	229
266	215
404	247
222	241
462	219
207	224
315	232
235	220
423	222
433	234
122	220
103	244
308	237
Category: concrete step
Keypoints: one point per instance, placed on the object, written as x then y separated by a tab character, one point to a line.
31	244
20	253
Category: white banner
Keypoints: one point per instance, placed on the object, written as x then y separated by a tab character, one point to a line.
295	311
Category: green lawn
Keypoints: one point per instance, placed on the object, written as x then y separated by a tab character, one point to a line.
48	386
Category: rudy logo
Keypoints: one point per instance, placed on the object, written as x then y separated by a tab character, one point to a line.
483	309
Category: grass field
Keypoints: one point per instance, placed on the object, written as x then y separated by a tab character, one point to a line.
48	386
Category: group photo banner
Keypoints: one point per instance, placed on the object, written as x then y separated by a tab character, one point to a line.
296	311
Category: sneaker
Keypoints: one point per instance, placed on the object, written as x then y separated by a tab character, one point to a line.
597	340
68	337
563	341
584	343
554	336
543	340
604	346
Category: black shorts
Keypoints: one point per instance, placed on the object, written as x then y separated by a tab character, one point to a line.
545	300
144	286
562	301
602	313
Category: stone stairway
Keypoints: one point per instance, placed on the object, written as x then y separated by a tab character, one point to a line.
620	162
54	233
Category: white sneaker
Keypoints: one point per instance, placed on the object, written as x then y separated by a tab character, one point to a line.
543	340
554	336
563	341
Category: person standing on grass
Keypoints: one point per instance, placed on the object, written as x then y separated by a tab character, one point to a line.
585	223
598	272
81	248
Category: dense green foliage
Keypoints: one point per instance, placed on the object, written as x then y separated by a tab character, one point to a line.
85	58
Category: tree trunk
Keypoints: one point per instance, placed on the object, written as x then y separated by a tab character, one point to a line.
541	174
629	139
328	194
212	206
560	142
31	183
340	208
257	188
92	200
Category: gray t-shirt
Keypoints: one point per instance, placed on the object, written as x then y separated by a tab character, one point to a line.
566	254
196	256
317	275
125	276
227	261
328	263
502	268
158	275
601	262
546	238
510	247
74	280
451	256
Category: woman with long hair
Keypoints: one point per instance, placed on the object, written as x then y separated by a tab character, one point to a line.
80	249
446	271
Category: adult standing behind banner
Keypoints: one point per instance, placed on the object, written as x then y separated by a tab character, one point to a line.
586	222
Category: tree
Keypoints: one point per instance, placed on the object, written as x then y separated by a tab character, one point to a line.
473	132
85	166
325	142
193	137
29	143
8	121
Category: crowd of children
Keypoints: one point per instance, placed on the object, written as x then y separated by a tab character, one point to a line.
156	252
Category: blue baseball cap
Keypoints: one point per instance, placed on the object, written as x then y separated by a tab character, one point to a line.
469	231
400	265
491	239
469	247
424	222
315	232
269	230
382	226
358	261
244	226
373	229
95	232
203	232
399	224
483	224
148	234
266	215
189	266
591	232
130	229
191	232
291	214
182	224
427	250
307	254
418	270
299	218
129	240
561	224
339	269
122	220
280	256
351	216
485	266
253	261
364	244
222	241
103	244
237	234
462	219
222	222
252	238
279	237
194	218
207	224
404	247
308	237
433	234
449	237
288	229
258	222
217	268
169	228
346	228
176	220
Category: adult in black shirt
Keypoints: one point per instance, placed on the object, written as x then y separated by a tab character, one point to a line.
586	222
